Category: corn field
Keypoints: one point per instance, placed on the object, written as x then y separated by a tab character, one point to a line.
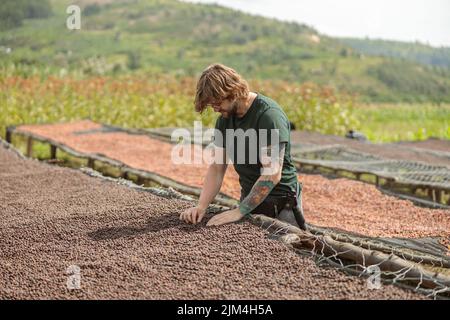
157	102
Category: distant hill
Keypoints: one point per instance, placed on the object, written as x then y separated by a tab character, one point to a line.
416	52
168	36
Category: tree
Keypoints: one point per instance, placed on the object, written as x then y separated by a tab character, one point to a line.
12	12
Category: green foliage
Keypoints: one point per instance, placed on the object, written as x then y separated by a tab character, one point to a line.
35	9
10	15
416	52
178	38
156	102
13	12
91	9
134	60
318	109
386	123
409	77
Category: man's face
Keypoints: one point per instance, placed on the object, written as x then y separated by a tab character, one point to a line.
226	108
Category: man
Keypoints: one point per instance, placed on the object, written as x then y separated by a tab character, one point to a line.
269	185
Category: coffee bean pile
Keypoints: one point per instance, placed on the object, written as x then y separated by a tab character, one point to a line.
65	235
341	203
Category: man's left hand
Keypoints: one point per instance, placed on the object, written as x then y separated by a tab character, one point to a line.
225	217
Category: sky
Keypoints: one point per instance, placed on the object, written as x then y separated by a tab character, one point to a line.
427	21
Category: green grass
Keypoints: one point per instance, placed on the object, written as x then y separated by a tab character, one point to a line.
167	101
156	102
394	122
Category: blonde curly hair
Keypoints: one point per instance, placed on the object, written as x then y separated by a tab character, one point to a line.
217	83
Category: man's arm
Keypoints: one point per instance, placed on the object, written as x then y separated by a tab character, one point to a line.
211	187
266	182
270	177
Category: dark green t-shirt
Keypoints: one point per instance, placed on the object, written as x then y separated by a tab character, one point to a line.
264	113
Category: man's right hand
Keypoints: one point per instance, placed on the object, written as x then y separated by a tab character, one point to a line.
193	215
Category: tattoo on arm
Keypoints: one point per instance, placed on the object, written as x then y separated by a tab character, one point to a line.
263	186
259	192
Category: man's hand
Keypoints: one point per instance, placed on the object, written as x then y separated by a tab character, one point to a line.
225	217
193	215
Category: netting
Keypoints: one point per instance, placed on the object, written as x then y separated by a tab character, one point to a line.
367	257
10	147
102	129
334	152
420	264
417	264
337	157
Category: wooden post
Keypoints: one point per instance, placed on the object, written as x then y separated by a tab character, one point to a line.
29	147
8	135
52	152
431	194
377	180
124	175
439	195
140	180
389	183
91	163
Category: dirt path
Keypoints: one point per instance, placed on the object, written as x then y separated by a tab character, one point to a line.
340	203
130	244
